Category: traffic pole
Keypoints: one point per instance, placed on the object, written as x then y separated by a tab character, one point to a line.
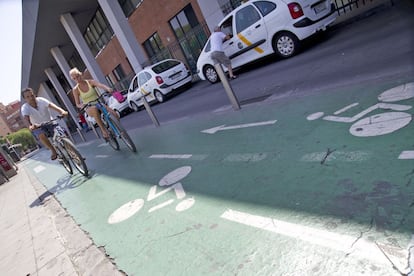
227	87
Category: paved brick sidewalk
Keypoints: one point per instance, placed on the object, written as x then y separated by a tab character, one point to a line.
39	238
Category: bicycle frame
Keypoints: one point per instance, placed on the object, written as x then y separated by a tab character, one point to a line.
116	131
58	134
66	150
106	116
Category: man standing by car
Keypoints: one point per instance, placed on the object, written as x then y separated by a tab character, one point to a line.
217	53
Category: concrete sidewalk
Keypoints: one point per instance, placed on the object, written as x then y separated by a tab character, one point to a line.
39	238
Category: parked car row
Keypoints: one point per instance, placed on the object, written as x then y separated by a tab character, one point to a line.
257	28
157	82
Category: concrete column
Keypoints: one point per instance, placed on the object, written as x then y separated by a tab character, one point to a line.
212	12
62	94
123	32
63	64
45	92
82	47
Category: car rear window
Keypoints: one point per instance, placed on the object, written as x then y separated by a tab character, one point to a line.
265	7
164	66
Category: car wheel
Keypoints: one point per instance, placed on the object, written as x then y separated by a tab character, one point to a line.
159	96
286	45
210	74
134	106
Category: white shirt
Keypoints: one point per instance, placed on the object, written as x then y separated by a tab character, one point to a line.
40	114
216	40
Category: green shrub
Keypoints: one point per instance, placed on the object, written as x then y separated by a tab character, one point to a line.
23	137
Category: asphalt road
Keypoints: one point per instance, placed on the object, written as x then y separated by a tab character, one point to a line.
371	49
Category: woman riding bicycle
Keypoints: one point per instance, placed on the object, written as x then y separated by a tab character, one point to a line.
36	111
85	93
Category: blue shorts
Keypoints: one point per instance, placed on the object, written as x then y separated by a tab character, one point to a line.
47	130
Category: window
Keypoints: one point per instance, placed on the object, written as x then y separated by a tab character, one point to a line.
164	66
119	73
227	26
190	34
184	21
153	45
109	80
134	84
98	33
155	48
143	78
76	61
227	6
265	7
246	17
129	6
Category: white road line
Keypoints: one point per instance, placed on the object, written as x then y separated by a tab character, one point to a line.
222	109
344	243
407	154
224	127
245	157
161	205
101	156
351	156
171	156
39	168
345	108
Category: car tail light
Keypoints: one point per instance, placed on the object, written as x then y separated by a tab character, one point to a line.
159	80
295	10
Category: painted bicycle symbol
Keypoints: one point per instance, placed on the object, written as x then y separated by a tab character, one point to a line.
172	180
378	124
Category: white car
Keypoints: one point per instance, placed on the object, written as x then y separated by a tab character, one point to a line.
260	28
157	81
119	107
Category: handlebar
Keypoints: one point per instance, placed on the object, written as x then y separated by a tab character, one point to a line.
52	121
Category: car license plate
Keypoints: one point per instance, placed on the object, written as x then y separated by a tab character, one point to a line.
176	76
320	7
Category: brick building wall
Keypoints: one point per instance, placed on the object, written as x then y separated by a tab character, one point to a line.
150	17
147	20
10	118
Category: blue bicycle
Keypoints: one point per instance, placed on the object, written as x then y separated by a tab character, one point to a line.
115	129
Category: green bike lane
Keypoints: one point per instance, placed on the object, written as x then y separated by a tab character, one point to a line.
278	189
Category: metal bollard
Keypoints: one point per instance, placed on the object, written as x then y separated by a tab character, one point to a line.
227	87
150	112
80	134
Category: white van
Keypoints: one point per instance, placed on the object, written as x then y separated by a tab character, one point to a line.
260	28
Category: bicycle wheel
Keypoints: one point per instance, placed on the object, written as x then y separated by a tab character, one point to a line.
112	139
63	159
124	135
75	156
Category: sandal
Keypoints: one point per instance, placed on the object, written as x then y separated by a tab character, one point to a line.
105	135
53	156
233	78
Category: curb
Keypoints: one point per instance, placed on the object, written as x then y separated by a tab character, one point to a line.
86	257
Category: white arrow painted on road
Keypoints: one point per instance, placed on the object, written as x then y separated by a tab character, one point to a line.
224	127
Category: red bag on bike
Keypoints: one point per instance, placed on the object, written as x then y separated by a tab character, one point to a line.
118	96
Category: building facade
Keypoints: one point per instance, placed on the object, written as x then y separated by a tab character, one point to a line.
10	118
109	40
